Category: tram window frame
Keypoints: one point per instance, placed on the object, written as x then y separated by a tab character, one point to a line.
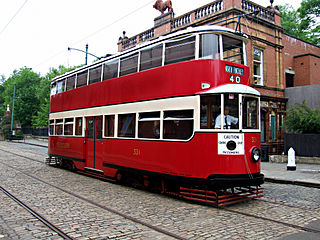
110	69
61	86
129	64
68	127
246	118
129	130
71	82
95	74
153	60
149	125
229	45
207	45
213	110
51	127
175	124
79	126
109	125
53	89
174	52
82	78
58	127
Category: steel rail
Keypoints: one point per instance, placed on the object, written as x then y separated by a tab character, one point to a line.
37	215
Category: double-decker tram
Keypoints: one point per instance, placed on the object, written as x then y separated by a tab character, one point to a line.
175	114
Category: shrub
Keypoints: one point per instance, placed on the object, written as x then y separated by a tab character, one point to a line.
303	119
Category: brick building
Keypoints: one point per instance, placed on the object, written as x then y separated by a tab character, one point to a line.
275	59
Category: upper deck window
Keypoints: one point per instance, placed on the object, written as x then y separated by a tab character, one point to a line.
233	50
71	82
53	88
110	69
61	86
180	50
95	74
129	64
151	57
82	78
209	46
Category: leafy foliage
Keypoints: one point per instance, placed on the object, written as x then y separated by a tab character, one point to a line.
40	119
32	99
302	119
304	22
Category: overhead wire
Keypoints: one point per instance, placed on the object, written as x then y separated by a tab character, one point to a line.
96	32
17	12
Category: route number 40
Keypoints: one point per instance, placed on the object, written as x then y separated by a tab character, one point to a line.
236	79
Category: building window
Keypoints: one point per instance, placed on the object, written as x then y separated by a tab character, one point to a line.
257	67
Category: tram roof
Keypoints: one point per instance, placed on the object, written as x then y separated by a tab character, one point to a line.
189	30
232	88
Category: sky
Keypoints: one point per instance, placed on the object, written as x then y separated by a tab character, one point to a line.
37	33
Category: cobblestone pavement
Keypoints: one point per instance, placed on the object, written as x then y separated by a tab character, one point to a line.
287	203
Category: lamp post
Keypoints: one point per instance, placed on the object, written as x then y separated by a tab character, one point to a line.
12	114
86	52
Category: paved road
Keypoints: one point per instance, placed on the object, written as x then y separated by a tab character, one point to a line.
296	205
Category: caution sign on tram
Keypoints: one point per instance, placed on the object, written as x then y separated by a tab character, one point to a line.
231	144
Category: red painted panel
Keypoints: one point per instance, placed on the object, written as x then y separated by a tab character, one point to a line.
168	81
196	158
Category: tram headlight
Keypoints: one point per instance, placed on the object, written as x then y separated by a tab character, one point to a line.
255	154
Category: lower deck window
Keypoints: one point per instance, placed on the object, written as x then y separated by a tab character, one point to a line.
126	125
59	127
78	126
109	126
178	124
68	126
149	125
51	128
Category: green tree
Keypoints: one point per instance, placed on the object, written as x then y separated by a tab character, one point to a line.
302	23
26	101
40	119
302	119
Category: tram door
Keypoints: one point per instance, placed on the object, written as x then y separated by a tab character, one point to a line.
94	142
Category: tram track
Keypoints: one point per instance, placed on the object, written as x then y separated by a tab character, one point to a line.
38	216
158	229
126	216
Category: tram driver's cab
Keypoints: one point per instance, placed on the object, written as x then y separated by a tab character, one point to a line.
230	112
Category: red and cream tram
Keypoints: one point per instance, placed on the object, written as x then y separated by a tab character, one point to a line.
176	113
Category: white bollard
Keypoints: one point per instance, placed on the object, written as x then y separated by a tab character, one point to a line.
291	166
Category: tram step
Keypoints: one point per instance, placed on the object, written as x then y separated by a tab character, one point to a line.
220	198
